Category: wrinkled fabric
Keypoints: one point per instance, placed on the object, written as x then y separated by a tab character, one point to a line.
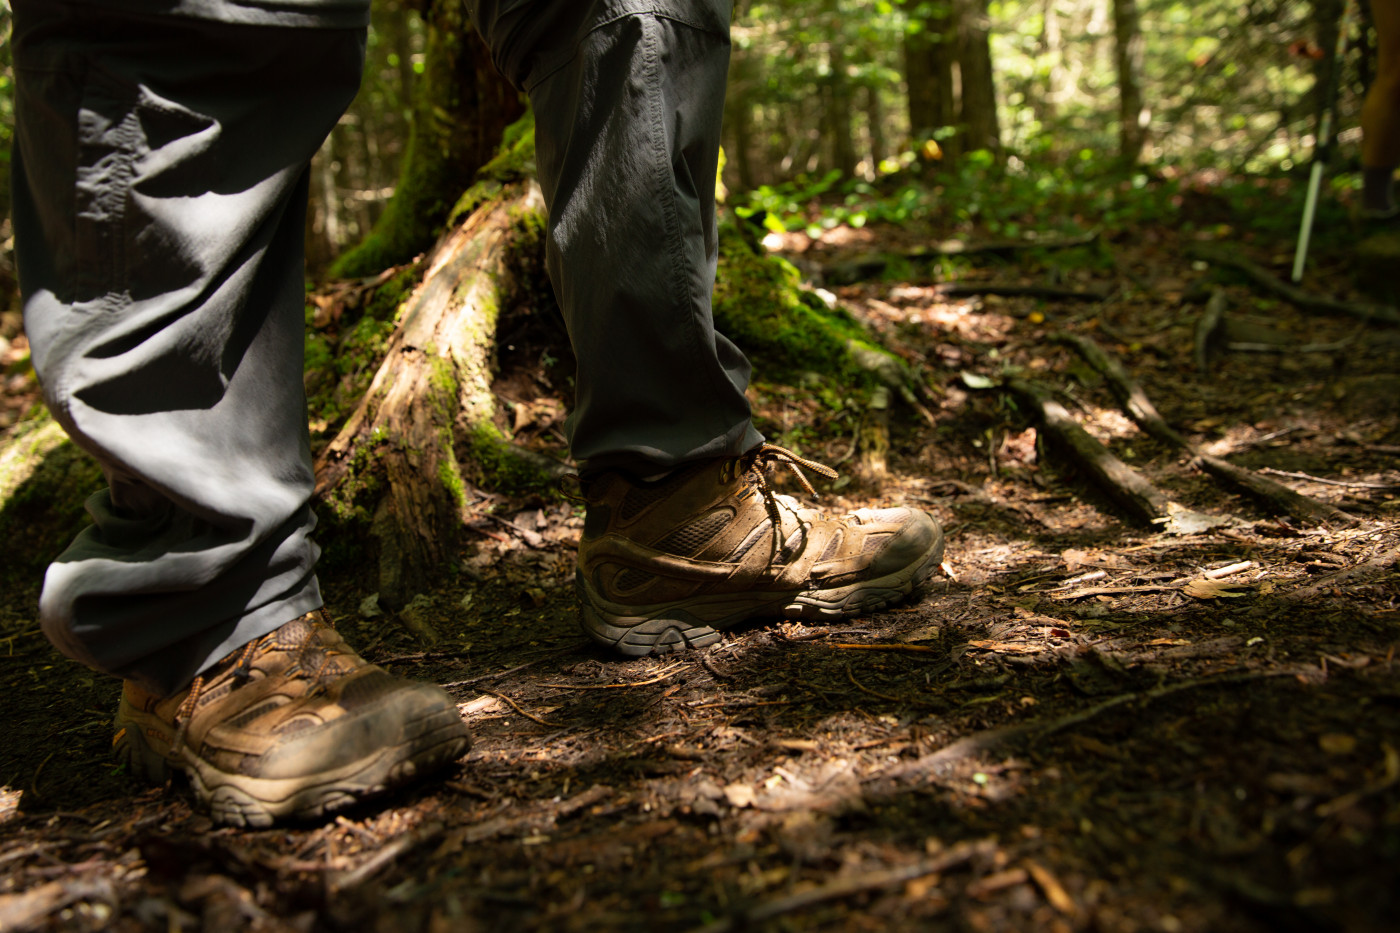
628	97
160	183
320	14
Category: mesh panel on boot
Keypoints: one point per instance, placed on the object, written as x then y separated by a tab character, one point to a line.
639	497
689	539
874	543
832	547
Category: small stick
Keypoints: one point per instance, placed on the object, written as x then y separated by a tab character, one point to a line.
912	649
640	683
864	689
1329	482
515	706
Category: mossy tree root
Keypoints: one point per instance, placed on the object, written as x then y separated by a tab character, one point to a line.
394	464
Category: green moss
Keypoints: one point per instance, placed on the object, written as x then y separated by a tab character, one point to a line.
515	159
760	304
498	466
44	481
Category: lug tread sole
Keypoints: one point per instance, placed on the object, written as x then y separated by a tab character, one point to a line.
696	623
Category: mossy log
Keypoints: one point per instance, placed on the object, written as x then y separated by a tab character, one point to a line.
395	462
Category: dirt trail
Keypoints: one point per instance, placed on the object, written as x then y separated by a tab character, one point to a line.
1087	724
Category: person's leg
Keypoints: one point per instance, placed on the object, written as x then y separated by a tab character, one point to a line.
1380	115
159	196
628	96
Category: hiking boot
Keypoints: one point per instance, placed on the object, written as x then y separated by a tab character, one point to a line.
665	565
293	725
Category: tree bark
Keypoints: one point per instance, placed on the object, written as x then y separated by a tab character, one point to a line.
1132	112
461	107
977	108
395	461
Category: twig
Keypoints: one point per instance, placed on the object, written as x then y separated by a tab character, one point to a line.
678	666
519	667
846	887
850	674
1328	482
369	867
741	704
515	706
912	649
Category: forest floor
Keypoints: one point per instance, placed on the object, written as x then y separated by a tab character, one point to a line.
1079	727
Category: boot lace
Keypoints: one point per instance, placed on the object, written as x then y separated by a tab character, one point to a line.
759	465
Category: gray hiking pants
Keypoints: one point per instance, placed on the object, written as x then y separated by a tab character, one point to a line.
160	180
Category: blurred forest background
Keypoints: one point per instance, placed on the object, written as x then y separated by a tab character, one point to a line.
970	112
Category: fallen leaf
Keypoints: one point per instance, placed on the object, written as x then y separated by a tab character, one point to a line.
1215	589
739	795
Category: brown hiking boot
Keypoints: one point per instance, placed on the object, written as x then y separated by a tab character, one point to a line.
293	725
665	565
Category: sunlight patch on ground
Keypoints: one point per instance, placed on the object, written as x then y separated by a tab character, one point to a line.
9	804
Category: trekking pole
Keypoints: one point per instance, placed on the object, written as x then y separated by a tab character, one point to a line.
1322	151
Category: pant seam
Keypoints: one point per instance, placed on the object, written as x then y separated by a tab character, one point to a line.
682	285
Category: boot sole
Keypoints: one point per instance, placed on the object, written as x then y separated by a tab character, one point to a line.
431	741
638	631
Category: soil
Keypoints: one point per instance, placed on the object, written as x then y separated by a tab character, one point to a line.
1079	727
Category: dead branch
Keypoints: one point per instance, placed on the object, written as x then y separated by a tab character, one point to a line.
873	265
1274	495
1125	388
1126	486
1208	327
1304	301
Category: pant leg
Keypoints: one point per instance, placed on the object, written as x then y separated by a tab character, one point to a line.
160	180
628	97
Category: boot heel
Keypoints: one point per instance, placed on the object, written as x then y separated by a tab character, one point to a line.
142	762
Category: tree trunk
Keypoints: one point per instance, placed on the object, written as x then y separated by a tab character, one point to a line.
928	72
978	104
396	460
461	107
1133	115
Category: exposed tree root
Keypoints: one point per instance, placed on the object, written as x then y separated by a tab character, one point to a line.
1126	389
1208	327
1138	497
395	458
1303	300
1009	290
1139	407
1276	496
